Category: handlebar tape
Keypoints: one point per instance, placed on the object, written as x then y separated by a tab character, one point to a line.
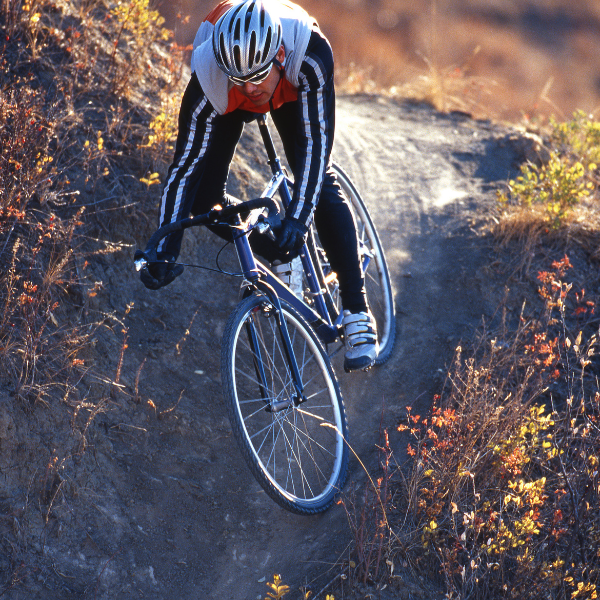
213	216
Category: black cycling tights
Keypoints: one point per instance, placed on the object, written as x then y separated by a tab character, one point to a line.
333	217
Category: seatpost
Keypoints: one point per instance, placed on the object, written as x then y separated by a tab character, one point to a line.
274	162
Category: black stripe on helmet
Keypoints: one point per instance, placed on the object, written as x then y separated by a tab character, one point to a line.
237	58
223	53
235	12
267	45
248	17
252	57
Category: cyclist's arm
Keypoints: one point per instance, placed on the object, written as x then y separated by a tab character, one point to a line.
196	119
316	106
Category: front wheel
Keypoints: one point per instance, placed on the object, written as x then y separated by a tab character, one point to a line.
296	450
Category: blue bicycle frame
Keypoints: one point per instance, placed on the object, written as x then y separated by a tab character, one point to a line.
258	277
319	317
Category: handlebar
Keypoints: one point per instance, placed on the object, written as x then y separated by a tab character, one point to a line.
273	222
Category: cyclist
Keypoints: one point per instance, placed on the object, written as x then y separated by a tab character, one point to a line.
259	56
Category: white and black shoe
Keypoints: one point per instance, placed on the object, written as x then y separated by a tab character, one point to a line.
290	273
360	333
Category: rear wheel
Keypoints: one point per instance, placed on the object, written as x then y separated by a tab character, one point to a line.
296	450
377	278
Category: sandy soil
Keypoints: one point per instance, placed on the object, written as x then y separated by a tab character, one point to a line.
167	508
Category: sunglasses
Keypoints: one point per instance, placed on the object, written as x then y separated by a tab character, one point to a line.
255	78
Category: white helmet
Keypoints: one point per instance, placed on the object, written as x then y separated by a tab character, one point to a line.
246	39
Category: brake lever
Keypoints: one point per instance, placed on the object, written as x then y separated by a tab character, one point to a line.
268	226
140	260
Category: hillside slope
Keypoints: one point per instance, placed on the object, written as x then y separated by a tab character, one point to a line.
494	57
119	475
160	503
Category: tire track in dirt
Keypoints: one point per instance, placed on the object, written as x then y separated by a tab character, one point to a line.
423	176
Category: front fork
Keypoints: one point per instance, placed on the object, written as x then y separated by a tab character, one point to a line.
290	356
250	267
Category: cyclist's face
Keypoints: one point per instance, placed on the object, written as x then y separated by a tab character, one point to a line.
261	93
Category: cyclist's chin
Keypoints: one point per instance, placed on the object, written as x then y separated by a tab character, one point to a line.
259	100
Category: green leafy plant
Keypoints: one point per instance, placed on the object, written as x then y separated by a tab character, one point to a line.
578	138
566	179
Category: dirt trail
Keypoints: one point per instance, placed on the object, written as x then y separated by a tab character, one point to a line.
172	511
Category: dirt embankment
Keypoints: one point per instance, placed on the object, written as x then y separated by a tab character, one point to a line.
160	505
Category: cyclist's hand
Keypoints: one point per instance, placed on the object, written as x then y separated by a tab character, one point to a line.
161	273
292	235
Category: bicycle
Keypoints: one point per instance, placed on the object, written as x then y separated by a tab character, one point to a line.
282	395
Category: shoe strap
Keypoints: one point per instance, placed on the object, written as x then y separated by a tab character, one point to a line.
359	329
282	268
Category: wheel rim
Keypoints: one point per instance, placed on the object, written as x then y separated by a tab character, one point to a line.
377	281
376	277
299	449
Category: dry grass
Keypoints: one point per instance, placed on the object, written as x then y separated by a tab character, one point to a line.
527	227
37	247
75	142
500	492
534	58
67	134
499	497
502	498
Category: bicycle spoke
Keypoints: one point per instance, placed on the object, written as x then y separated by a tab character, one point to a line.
300	463
316	443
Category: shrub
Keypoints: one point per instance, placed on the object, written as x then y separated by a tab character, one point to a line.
566	179
139	27
504	491
38	344
60	138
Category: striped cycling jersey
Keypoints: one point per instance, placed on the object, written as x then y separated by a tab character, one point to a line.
307	81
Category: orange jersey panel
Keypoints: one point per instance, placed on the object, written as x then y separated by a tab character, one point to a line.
218	11
284	92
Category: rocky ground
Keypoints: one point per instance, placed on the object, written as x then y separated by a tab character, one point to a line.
163	506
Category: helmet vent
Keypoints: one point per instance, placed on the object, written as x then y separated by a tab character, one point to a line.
224	52
246	38
248	19
252	57
237	58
